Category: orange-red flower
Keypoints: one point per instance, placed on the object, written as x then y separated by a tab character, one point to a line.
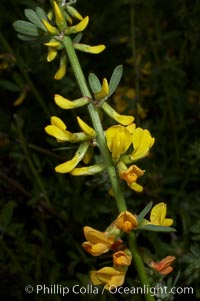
164	266
130	175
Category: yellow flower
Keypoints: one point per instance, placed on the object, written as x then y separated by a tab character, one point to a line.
158	214
109	276
71	164
142	142
57	129
164	266
118	140
97	242
126	221
122	258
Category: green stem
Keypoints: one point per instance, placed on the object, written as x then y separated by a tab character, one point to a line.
139	265
94	114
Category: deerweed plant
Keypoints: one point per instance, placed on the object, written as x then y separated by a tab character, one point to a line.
120	146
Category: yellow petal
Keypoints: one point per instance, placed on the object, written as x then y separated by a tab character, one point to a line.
58	15
58	122
111	277
90	49
87	171
104	90
58	133
122	119
94	278
122	258
52	52
77	28
67	166
167	222
86	128
96	249
51	29
158	213
118	140
62	69
142	142
131	127
95	236
70	165
105	274
126	221
66	104
115	281
136	187
52	44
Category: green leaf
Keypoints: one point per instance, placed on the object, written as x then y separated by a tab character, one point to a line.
25	38
155	228
94	82
33	17
142	214
115	79
41	13
26	28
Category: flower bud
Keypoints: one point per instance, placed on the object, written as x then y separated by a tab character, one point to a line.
122	119
77	28
100	95
90	49
67	104
62	69
86	128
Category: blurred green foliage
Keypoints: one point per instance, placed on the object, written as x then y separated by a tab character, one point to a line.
42	213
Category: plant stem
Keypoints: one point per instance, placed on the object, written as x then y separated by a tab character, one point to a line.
139	266
94	114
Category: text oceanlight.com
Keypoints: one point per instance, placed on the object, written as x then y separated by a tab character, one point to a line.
58	289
